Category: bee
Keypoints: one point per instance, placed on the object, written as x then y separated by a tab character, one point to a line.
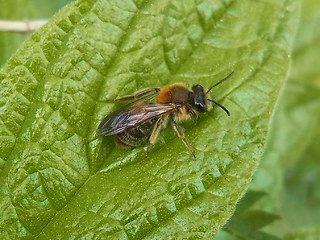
143	119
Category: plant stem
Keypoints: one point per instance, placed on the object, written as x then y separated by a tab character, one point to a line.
21	26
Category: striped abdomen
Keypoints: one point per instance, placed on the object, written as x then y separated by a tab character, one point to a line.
137	135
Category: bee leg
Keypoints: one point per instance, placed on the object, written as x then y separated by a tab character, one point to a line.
155	134
143	94
180	133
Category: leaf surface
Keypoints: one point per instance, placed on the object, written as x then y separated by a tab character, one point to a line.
60	180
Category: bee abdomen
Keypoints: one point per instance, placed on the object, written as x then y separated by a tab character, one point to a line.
135	136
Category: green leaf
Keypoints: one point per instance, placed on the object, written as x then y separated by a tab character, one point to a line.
290	171
59	180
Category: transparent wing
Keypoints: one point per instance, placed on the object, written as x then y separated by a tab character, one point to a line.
127	117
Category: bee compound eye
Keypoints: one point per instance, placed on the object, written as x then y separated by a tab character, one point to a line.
200	107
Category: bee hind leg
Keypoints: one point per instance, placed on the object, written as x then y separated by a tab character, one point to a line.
161	122
180	133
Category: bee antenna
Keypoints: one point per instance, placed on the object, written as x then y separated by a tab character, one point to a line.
222	107
222	80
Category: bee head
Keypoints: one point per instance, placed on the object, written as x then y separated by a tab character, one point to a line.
200	100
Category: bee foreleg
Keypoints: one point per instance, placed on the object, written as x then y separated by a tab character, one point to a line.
180	133
161	122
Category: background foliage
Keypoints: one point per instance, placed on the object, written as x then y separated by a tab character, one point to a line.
289	171
23	10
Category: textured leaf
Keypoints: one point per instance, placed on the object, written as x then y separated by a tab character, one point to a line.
59	180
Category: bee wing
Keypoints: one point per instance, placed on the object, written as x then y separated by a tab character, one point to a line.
138	113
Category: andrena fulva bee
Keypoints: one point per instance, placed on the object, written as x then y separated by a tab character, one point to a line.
143	119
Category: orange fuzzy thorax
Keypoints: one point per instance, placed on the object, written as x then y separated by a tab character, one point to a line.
164	95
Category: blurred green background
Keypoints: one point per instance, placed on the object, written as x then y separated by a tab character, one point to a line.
23	10
290	171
